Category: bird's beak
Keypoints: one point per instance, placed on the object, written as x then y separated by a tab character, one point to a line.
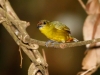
38	26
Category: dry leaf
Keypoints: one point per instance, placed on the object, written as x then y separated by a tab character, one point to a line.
88	28
92	58
91	30
93	7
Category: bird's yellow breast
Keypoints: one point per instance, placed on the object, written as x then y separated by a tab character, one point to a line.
54	34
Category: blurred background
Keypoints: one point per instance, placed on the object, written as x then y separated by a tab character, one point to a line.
61	61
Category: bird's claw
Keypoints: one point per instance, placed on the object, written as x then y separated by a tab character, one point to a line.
51	43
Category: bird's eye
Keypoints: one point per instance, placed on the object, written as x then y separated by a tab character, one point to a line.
44	22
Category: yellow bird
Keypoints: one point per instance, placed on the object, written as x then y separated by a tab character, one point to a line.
56	31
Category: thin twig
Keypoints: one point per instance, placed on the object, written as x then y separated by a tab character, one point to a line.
20	57
82	4
44	56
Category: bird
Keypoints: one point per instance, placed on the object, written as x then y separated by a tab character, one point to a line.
56	31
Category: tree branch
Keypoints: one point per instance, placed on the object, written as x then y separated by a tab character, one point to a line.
17	29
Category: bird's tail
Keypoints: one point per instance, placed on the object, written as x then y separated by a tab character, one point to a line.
75	40
72	39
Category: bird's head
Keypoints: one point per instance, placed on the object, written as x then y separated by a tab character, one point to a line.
42	23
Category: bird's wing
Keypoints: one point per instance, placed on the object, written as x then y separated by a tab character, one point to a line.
60	26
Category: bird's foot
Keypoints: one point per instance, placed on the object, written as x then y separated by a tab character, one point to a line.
50	42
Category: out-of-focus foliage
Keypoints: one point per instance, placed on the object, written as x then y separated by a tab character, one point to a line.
61	62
